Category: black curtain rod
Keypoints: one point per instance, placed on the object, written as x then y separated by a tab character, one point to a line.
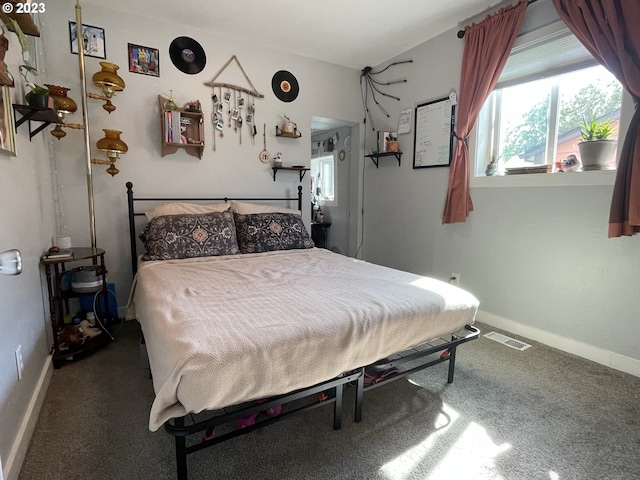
461	32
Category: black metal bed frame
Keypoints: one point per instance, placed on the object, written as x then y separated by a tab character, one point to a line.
132	213
327	392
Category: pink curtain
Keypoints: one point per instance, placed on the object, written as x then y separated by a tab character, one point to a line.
609	30
487	46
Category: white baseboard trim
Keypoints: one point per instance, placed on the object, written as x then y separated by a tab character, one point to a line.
21	442
584	350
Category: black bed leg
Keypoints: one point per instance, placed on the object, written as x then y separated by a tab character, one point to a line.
452	364
181	451
337	409
359	397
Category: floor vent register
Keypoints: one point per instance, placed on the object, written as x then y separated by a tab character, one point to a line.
508	341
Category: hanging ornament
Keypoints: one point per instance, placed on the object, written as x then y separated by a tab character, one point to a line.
214	117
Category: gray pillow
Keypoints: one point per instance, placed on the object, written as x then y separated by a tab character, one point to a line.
266	232
190	235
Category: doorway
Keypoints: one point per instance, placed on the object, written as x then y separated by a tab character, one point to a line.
333	141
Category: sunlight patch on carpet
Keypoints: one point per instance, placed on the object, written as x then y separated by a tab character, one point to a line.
472	456
401	467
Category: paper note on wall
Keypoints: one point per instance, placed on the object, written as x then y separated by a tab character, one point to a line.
404	123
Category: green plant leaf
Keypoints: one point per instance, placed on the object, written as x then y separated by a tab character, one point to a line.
594	130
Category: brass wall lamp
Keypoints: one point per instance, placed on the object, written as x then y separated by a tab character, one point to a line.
108	81
112	146
63	105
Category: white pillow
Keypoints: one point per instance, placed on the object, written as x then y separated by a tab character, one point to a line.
177	208
245	208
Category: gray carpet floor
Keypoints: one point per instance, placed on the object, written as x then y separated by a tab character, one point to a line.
536	414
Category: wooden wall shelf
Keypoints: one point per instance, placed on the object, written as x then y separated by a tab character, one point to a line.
193	132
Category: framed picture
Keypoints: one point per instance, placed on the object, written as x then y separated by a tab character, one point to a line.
144	60
7	139
92	39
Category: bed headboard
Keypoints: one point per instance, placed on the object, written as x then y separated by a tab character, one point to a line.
132	201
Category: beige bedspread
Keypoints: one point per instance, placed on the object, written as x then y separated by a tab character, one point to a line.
224	330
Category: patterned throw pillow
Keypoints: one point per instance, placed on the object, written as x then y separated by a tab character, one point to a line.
265	232
190	235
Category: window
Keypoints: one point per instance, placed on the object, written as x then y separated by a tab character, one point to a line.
323	180
548	88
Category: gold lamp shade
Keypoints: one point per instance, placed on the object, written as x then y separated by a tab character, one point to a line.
61	102
107	79
112	144
63	105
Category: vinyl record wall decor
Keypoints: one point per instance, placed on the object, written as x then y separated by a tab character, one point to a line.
187	55
285	86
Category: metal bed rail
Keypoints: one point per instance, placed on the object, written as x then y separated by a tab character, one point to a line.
180	430
448	349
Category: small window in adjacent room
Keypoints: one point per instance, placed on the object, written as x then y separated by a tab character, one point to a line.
548	88
323	180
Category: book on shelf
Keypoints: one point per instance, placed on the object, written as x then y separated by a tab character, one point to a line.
60	254
175	126
172	121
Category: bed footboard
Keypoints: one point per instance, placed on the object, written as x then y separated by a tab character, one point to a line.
390	369
181	431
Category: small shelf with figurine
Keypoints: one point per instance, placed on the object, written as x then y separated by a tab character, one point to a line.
289	129
182	128
294	134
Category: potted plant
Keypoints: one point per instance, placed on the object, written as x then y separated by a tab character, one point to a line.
597	147
38	96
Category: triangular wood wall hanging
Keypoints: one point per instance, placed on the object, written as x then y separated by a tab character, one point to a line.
214	84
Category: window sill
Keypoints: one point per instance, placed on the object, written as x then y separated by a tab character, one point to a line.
569	179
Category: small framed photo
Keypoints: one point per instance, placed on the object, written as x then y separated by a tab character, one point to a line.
7	139
144	60
240	102
92	39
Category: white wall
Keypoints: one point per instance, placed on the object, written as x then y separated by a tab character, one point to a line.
26	223
233	169
538	258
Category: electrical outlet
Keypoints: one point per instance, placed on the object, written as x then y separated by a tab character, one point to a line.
19	362
454	279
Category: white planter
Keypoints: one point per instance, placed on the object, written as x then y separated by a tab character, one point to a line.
597	154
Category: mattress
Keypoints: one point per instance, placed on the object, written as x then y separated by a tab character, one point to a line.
224	330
